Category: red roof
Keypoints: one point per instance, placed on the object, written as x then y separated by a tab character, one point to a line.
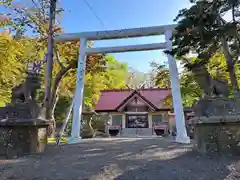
111	99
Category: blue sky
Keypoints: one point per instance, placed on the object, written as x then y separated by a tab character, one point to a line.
118	14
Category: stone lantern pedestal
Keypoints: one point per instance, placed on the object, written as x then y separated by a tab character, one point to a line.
22	132
218	135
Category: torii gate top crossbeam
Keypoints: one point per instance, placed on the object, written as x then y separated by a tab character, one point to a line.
115	34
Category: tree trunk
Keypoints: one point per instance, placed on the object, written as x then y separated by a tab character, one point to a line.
54	96
230	64
57	81
49	67
52	133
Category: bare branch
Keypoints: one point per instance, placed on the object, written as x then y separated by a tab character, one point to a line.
58	58
57	81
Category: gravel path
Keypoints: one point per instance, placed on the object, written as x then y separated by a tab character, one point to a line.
121	159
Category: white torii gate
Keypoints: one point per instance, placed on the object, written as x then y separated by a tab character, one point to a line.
117	34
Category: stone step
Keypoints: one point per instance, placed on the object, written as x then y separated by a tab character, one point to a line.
133	132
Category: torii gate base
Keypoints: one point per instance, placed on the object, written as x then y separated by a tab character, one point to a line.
125	33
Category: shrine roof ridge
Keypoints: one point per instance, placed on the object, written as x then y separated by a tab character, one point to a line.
138	89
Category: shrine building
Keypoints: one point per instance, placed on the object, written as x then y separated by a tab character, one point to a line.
142	112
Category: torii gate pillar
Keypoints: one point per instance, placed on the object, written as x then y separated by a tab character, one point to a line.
176	93
78	98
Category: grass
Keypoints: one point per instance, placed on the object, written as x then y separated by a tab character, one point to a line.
53	140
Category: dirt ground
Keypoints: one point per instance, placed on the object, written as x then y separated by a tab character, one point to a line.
121	159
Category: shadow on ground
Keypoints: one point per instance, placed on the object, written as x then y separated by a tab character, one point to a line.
121	159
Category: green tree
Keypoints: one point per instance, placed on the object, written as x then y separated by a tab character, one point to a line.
190	89
10	68
203	29
116	74
160	75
